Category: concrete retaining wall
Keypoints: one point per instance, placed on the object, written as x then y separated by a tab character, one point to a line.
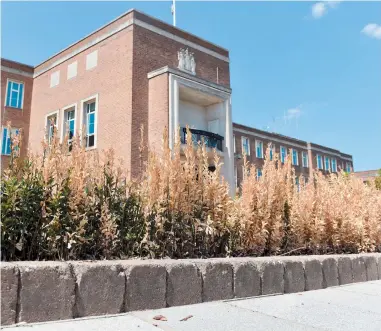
44	291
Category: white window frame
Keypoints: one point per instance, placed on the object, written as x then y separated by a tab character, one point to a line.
317	162
248	145
297	183
6	93
271	146
234	150
325	163
8	135
64	110
94	97
259	170
57	113
285	155
256	146
346	167
304	164
334	159
292	157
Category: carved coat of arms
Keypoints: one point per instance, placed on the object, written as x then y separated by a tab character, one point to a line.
186	61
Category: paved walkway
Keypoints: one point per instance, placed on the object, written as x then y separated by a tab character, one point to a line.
351	307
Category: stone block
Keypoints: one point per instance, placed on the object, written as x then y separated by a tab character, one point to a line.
9	286
371	268
100	288
247	279
313	274
293	276
344	267
358	269
217	280
330	272
47	291
184	284
145	286
272	272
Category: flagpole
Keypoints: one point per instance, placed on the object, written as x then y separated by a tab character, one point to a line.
174	12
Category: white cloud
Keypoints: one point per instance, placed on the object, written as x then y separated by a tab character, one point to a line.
333	4
319	9
293	113
372	30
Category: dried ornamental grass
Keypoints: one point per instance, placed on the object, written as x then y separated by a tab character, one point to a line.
70	203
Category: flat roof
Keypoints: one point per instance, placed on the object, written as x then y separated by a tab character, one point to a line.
291	139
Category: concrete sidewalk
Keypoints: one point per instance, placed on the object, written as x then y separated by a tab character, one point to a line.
350	307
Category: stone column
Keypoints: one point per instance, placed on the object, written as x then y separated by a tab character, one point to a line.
176	101
310	161
229	151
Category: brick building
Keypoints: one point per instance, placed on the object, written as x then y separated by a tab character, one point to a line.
136	71
305	156
368	175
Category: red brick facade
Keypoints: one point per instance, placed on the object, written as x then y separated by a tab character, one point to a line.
112	65
277	141
18	117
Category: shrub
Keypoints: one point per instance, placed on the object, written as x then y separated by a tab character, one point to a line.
61	205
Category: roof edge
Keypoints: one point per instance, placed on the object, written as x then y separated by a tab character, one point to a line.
17	62
177	28
132	10
87	36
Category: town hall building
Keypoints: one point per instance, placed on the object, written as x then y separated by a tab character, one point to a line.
139	71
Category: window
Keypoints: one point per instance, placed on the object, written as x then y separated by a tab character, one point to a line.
319	161
68	127
283	154
327	165
90	107
51	126
334	165
297	184
305	159
271	152
72	70
233	143
245	146
91	60
55	78
15	94
247	171
295	158
6	141
259	149
348	167
259	173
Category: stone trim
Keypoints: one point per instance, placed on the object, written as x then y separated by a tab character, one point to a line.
180	39
325	151
119	28
81	288
185	75
268	137
16	71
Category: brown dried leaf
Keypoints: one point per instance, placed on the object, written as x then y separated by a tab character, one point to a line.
160	318
186	318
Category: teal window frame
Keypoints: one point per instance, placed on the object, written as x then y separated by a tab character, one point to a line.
15	94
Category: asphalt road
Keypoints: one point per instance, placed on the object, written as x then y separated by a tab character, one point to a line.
351	307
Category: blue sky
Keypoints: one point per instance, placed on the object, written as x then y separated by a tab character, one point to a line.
305	69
